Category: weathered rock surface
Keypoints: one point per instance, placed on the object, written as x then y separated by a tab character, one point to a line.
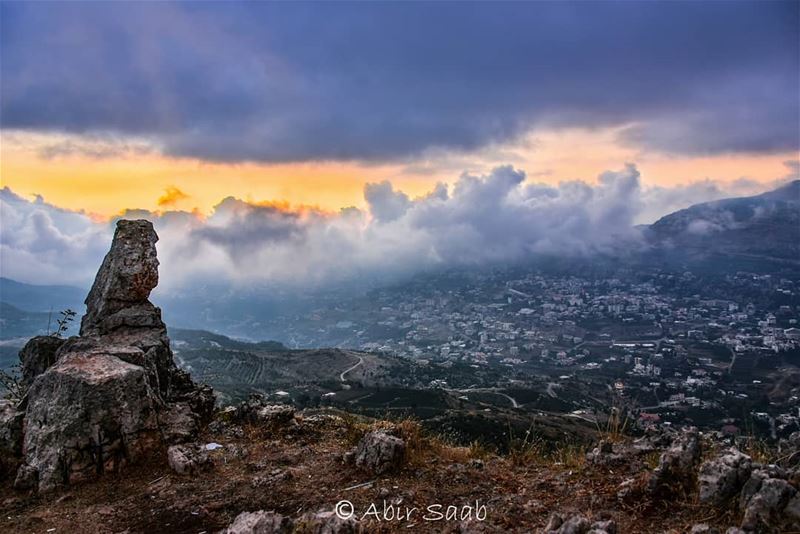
722	478
256	409
87	414
764	510
259	523
38	354
326	523
676	467
187	458
578	524
262	522
102	399
122	287
10	429
380	452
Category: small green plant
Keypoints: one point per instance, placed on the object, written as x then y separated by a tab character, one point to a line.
62	324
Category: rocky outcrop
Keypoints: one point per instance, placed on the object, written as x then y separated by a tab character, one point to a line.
257	410
676	469
114	393
38	354
380	452
721	478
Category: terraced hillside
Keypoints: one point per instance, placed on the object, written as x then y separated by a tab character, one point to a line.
237	369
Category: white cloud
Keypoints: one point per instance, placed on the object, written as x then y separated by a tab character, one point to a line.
496	217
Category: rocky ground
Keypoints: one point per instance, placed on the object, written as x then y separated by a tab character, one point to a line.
263	458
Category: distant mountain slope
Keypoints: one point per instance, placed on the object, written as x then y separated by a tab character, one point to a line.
36	298
16	323
765	227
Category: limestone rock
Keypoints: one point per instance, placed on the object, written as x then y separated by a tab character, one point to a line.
326	523
765	509
86	414
27	478
259	523
123	284
578	524
676	467
380	452
721	478
187	459
792	512
10	429
275	414
178	423
703	528
108	395
38	354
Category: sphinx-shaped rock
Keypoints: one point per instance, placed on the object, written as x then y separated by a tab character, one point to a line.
114	392
119	295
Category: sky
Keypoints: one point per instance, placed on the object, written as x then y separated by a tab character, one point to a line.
305	141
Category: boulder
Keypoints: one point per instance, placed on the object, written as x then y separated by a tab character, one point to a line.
178	423
256	409
676	466
764	510
703	528
275	414
326	523
380	452
722	478
187	459
38	354
578	524
87	414
792	512
259	523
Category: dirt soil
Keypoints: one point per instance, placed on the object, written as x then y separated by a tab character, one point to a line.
300	469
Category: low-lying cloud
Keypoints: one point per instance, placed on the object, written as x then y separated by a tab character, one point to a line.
481	219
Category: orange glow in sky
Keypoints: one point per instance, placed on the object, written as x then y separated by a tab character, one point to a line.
148	180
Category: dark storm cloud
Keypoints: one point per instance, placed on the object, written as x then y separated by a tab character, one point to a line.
387	81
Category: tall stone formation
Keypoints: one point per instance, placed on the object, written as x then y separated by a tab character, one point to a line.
114	393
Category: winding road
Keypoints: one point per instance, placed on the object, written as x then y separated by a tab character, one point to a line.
341	376
496	391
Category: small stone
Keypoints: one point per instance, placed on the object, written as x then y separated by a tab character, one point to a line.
187	459
326	523
379	452
703	528
259	523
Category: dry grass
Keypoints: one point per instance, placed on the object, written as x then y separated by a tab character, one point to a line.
571	455
617	428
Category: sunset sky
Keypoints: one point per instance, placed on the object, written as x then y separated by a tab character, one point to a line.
174	107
